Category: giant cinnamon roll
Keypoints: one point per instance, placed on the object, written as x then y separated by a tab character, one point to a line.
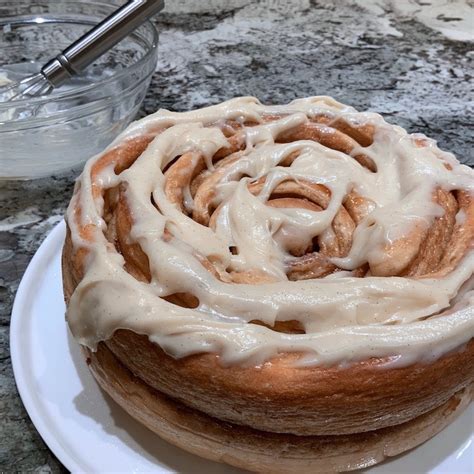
282	288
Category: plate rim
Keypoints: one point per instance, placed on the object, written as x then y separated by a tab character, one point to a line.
27	283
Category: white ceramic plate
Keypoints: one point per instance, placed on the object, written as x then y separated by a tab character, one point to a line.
88	432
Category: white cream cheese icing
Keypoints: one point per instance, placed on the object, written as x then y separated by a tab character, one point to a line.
344	318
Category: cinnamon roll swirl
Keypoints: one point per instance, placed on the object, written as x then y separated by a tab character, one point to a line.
276	287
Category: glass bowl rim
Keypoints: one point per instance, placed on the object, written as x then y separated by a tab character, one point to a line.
152	47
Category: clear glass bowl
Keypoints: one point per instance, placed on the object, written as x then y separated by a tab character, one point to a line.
51	134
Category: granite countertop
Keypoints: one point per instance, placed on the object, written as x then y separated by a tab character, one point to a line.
409	60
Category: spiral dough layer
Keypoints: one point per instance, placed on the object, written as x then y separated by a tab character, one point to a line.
248	230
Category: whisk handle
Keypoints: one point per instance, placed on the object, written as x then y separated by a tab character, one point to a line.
93	44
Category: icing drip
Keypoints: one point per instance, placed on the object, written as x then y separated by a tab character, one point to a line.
242	243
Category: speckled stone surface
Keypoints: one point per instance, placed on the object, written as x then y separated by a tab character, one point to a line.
409	60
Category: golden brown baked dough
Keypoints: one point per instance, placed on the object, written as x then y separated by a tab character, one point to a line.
277	415
259	451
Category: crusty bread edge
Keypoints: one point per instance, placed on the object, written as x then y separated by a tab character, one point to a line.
259	451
